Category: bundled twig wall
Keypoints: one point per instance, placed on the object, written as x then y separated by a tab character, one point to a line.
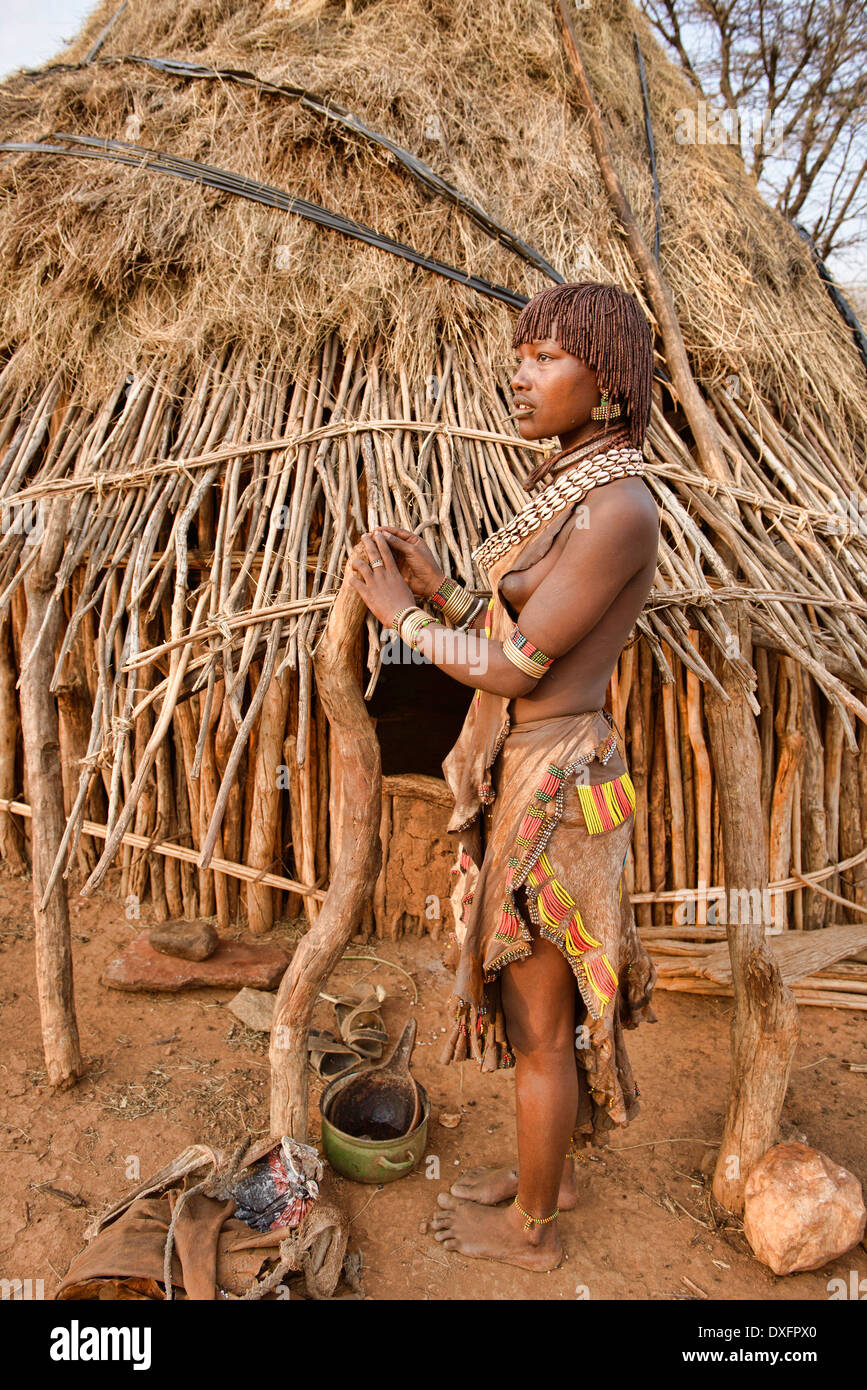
197	577
222	398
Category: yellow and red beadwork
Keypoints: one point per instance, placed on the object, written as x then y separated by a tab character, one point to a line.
558	911
522	653
535	828
607	804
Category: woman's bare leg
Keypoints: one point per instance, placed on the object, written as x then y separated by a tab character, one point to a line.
538	996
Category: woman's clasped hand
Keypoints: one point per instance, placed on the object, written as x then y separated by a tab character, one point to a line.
399	570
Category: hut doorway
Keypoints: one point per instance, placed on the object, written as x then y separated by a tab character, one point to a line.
418	712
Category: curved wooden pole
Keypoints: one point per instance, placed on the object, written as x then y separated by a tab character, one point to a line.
354	876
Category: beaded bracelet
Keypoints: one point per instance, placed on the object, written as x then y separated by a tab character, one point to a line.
411	623
522	653
452	600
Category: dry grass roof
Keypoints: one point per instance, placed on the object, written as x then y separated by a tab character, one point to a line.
107	267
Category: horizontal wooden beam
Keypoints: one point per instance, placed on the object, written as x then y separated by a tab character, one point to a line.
191	856
427	788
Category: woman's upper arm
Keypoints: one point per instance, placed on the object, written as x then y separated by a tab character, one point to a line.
597	561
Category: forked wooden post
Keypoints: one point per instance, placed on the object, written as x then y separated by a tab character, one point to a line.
40	733
354	875
765	1026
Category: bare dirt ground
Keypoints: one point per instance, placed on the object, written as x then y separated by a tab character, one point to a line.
165	1071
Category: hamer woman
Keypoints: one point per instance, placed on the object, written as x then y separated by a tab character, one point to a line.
550	969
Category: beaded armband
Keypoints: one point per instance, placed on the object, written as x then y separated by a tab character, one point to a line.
521	652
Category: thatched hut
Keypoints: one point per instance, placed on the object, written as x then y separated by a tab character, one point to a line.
260	264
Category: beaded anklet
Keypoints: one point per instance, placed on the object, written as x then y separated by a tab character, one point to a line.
535	1220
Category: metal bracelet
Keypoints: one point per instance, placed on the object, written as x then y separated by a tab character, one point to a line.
400	615
470	618
412	624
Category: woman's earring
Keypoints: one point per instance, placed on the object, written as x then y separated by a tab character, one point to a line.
605	411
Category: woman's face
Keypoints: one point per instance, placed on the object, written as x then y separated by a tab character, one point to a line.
559	391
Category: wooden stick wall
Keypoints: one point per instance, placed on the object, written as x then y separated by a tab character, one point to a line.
207	525
285	819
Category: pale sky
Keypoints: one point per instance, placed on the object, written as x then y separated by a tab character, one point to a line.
32	32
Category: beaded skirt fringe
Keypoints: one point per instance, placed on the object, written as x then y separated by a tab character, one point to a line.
479	1031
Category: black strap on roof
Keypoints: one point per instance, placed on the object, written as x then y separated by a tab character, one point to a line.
838	299
651	148
329	110
92	147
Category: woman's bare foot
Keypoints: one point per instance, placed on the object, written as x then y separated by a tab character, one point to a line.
490	1186
486	1233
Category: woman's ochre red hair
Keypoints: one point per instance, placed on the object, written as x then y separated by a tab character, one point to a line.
605	327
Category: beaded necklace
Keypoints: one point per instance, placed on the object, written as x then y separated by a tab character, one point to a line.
580	472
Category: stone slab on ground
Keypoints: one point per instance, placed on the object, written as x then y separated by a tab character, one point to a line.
233	965
190	940
254	1008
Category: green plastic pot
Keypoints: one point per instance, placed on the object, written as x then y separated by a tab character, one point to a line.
371	1160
